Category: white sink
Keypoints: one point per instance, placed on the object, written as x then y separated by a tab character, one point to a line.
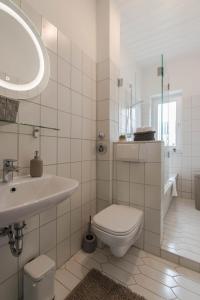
26	196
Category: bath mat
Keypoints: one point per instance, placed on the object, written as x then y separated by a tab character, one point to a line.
96	286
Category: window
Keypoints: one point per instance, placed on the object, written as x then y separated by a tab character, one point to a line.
133	119
164	117
167	123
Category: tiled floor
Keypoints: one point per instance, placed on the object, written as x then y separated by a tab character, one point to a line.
181	229
143	273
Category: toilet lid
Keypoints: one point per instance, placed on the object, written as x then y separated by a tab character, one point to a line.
118	219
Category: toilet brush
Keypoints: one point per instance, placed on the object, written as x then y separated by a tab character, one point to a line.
89	242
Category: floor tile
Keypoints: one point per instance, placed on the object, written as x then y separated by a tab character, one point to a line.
124	265
148	275
183	294
133	259
76	269
67	279
181	229
158	276
60	291
87	261
99	256
159	266
118	273
188	284
144	292
154	286
189	274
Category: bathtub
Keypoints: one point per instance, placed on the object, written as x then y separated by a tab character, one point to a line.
168	193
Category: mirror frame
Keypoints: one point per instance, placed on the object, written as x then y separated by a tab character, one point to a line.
38	84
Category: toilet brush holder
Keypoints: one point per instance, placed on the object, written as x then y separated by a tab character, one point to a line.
89	242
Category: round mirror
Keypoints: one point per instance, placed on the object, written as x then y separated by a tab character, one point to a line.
24	62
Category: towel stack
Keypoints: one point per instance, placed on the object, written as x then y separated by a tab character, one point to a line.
144	134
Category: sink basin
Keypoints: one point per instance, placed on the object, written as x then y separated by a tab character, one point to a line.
26	196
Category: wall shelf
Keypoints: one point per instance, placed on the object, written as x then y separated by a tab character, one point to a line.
5	122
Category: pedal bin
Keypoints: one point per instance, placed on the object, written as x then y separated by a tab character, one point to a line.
39	279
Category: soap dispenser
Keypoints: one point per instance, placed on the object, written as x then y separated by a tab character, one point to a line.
36	166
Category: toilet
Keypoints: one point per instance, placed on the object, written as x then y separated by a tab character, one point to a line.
118	227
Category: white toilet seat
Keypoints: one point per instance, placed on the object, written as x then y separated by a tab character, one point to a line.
118	226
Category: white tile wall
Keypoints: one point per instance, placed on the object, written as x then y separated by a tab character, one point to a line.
69	103
140	185
186	161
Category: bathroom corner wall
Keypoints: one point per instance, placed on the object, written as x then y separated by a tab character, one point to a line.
68	103
108	56
186	161
140	185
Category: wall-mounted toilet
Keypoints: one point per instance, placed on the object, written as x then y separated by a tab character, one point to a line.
119	227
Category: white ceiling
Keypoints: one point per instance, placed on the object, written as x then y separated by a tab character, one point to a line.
150	28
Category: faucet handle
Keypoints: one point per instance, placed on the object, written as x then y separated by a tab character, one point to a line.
8	162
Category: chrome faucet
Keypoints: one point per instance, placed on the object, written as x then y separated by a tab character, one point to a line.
8	169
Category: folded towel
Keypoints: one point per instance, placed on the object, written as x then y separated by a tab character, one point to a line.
143	129
174	188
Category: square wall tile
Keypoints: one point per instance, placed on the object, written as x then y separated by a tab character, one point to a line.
49	95
48	150
150	152
76	103
8	263
86	171
152	220
64	46
153	174
63	170
103	90
75	220
76	56
49	35
104	170
76	80
53	65
137	173
87	65
63	208
87	108
8	146
104	190
47	216
137	194
75	242
24	113
152	196
122	171
64	124
123	194
64	99
76	127
64	72
75	150
87	86
76	198
47	237
63	227
63	150
63	252
27	146
48	117
30	247
9	289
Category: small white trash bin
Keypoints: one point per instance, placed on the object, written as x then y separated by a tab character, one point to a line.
39	279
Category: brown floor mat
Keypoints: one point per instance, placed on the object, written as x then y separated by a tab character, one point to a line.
96	286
